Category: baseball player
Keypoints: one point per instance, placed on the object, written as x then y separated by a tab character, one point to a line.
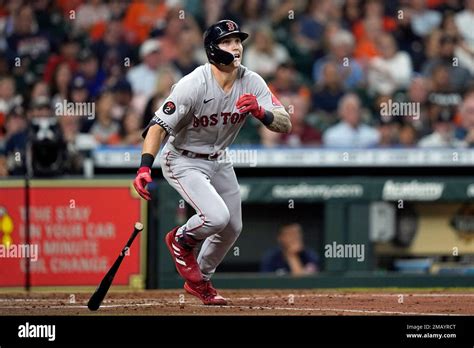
200	119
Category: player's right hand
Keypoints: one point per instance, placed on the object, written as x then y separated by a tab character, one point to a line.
143	178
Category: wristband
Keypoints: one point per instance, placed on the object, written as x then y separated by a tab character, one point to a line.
147	160
267	118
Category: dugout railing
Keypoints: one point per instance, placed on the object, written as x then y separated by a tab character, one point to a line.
345	204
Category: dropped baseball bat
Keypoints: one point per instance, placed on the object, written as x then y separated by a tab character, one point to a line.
99	294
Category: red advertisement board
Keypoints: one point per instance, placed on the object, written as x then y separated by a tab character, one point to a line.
77	231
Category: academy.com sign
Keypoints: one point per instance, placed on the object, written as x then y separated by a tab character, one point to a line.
413	190
317	191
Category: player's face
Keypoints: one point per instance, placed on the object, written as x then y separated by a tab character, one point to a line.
232	44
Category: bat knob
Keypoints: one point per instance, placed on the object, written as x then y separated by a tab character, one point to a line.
93	306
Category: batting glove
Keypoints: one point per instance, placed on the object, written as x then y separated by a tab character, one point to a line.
143	178
248	103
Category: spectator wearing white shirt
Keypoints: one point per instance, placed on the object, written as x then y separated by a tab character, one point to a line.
465	23
444	132
143	76
392	70
461	25
423	20
350	132
265	55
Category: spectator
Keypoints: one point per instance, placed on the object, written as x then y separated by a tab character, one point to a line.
291	256
143	76
465	23
301	132
443	134
329	91
62	78
374	10
15	124
351	13
212	11
117	9
407	40
165	83
130	129
388	128
312	24
466	111
350	132
418	93
185	61
340	53
79	94
391	71
408	136
90	13
14	151
171	31
123	96
423	20
68	51
40	89
264	55
90	70
458	75
366	47
463	51
252	13
442	94
48	16
141	18
28	45
8	99
287	82
70	126
105	130
111	50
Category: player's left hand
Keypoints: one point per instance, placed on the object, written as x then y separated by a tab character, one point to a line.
248	103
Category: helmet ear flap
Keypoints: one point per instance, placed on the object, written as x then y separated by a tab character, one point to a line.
218	56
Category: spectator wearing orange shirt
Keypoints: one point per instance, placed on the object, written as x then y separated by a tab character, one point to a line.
374	9
141	18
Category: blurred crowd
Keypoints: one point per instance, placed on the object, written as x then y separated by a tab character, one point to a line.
332	63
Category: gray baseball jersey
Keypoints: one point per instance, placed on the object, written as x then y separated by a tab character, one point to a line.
200	117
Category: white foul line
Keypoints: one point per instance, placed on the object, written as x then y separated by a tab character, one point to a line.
331	310
363	311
